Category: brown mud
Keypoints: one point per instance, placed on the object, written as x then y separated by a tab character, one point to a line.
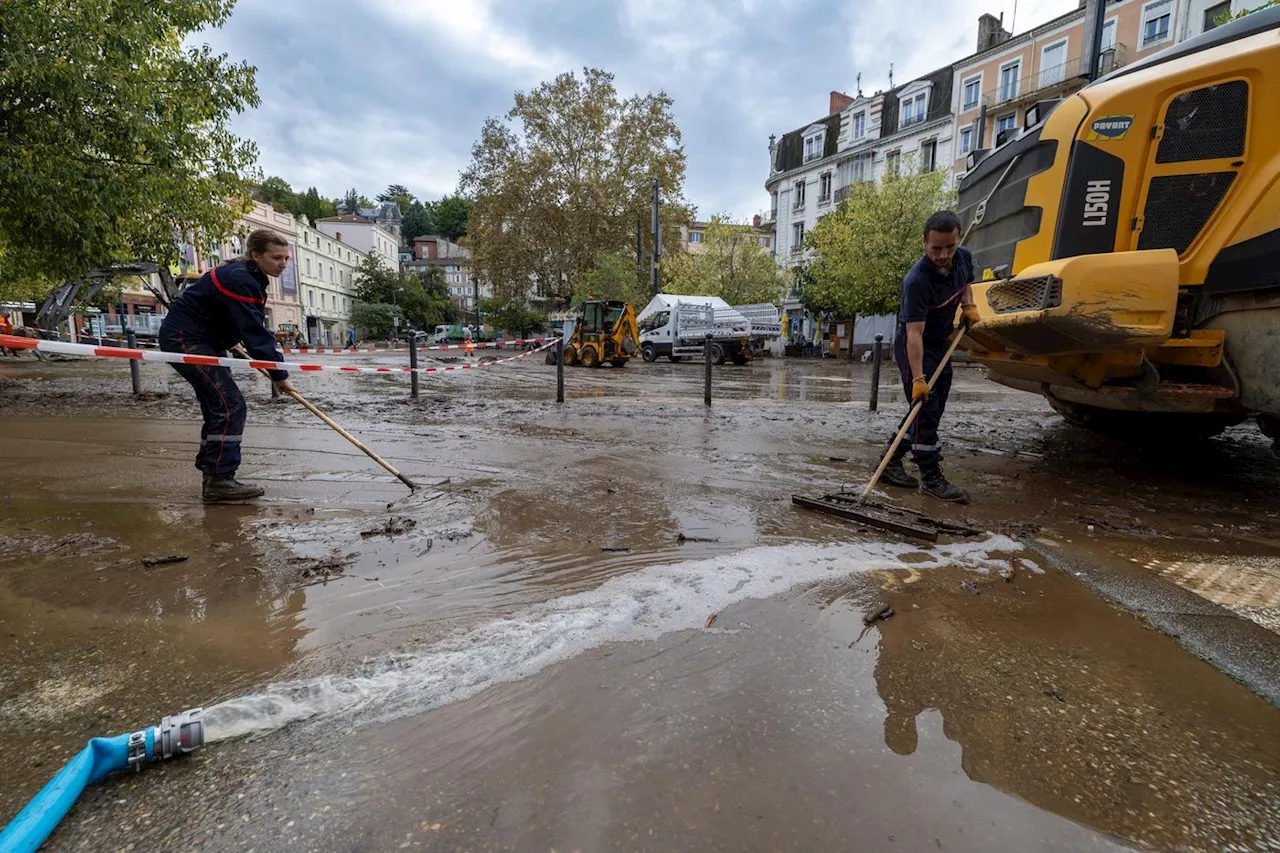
1035	717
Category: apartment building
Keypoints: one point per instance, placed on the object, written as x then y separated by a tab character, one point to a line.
326	269
366	235
453	262
693	235
995	86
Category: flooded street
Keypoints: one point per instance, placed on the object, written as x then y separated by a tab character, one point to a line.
603	625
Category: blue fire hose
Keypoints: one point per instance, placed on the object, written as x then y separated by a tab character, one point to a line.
175	735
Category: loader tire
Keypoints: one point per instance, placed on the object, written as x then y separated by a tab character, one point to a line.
589	357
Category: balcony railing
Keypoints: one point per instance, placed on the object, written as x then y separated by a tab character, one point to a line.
842	194
1032	86
904	123
824	199
797	206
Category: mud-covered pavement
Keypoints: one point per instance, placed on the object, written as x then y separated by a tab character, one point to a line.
604	626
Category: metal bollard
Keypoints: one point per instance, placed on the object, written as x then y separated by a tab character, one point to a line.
706	355
135	371
560	370
875	373
413	362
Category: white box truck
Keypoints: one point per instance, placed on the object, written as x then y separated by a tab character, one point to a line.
677	326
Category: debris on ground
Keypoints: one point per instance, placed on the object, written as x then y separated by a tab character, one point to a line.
165	560
1019	590
616	550
682	538
711	620
396	525
1009	573
970	586
878	612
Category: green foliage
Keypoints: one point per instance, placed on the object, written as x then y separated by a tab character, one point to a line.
864	248
1227	17
400	194
422	301
730	263
276	192
416	221
451	215
564	178
512	316
313	207
352	202
373	320
115	135
614	276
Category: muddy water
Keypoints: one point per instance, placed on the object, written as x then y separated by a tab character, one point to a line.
526	662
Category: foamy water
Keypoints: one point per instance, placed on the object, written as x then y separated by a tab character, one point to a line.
644	605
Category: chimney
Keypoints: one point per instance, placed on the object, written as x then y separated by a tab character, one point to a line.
839	100
991	32
755	221
337	235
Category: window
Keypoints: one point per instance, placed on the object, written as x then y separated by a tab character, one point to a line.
798	204
311	297
695	236
971	93
861	168
308	266
966	140
859	125
331	273
306	238
320	269
1213	13
763	242
813	146
1109	33
1053	64
1009	80
1155	22
928	156
1006	122
824	188
344	303
911	110
892	162
797	236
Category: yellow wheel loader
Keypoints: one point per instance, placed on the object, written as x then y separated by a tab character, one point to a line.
599	332
1128	242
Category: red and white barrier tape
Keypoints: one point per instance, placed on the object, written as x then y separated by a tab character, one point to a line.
468	347
244	364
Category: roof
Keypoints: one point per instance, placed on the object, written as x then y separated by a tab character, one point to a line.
791	146
347	217
666	300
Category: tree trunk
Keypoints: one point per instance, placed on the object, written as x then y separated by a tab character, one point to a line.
853	324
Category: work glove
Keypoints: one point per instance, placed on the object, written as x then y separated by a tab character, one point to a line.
919	390
969	315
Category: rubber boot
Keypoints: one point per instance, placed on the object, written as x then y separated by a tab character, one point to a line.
895	475
934	484
225	488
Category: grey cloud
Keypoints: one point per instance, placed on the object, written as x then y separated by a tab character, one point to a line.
364	93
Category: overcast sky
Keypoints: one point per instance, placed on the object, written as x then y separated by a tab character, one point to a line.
366	93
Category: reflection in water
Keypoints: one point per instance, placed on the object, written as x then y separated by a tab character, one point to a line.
1042	693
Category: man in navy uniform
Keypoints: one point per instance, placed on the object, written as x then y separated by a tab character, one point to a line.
222	309
931	292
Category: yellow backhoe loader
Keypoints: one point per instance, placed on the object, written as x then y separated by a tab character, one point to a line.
1129	242
599	332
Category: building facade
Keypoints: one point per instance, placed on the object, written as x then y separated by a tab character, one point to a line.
693	235
326	270
453	262
364	235
995	86
1200	16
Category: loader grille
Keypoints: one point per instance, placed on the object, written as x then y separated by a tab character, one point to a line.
1206	124
1025	294
1179	206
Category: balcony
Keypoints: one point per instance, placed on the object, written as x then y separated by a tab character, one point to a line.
798	206
1052	80
903	124
824	199
842	194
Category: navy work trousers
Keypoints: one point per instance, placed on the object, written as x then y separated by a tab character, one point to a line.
925	446
221	403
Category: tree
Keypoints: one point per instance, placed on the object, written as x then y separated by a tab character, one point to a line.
417	220
731	265
115	135
511	315
352	201
374	319
276	192
421	300
864	248
451	214
614	276
400	194
564	178
313	207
